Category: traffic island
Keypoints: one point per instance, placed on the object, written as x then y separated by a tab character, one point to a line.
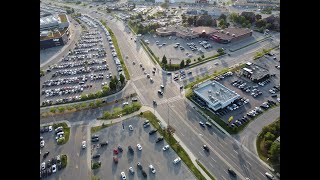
118	111
66	134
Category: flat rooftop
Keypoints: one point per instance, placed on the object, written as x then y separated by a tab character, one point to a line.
215	93
230	33
45	35
257	72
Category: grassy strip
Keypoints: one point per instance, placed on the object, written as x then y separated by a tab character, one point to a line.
205	170
95	178
263	52
214	75
147	49
206	60
115	43
64	160
79	107
118	111
134	30
98	128
173	144
263	39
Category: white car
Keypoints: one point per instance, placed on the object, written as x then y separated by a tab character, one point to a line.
152	169
50	128
84	144
42	143
43	165
131	170
123	175
178	159
278	99
125	103
130	127
166	147
54	168
139	147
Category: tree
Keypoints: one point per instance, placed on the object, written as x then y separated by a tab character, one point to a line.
202	56
105	88
220	51
122	79
233	17
260	23
267	144
61	109
113	83
188	61
91	104
117	110
222	23
182	64
98	102
164	60
268	25
53	110
269	136
258	16
127	109
223	16
164	5
106	115
136	106
274	150
190	20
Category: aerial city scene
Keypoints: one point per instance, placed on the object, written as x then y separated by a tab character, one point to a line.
160	89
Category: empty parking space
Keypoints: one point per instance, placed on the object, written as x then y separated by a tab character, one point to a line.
151	153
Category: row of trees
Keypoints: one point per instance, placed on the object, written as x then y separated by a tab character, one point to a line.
128	109
269	134
140	29
203	20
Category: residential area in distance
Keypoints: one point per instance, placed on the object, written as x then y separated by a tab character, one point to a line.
135	89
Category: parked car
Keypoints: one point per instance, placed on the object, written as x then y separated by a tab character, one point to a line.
95	156
104	143
177	160
208	124
123	175
232	172
159	139
139	165
205	147
139	147
120	148
153	131
269	176
130	127
201	124
130	149
166	147
115	159
131	170
152	169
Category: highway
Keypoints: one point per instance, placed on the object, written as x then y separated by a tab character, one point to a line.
225	151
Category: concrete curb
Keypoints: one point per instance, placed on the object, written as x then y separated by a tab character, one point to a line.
55	122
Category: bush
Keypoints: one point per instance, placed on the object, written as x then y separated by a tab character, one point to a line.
61	109
202	56
106	115
60	141
91	104
98	103
96	165
64	160
53	110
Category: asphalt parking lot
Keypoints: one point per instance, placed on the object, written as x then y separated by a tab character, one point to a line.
77	167
266	62
151	153
82	71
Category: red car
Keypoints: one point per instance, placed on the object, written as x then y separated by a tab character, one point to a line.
115	151
115	159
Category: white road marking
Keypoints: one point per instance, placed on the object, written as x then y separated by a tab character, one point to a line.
223	177
210	164
235	151
232	155
249	163
200	153
261	173
213	159
181	133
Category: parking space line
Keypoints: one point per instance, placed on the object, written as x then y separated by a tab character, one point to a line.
210	164
213	159
261	173
223	177
235	151
201	153
233	156
181	133
249	163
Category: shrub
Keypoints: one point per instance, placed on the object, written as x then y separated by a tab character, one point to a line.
64	160
53	110
96	165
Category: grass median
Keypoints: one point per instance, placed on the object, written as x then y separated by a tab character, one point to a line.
118	111
173	144
66	131
205	170
98	128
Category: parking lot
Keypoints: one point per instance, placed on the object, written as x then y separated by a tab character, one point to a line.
252	99
84	70
77	167
151	153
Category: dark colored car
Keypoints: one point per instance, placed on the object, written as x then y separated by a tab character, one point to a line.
95	140
42	130
104	143
232	172
153	131
139	165
144	174
94	136
95	156
115	160
46	129
205	147
46	154
159	139
130	149
120	148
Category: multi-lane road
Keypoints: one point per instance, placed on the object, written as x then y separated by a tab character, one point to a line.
225	151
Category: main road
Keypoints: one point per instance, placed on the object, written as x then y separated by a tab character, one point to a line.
225	150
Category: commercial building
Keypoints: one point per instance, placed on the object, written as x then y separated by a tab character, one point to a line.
54	31
255	72
231	35
221	36
215	95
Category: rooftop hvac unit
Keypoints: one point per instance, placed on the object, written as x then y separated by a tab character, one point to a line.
221	31
217	93
209	91
233	35
227	33
213	84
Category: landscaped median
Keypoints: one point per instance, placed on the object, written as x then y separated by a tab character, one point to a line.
173	143
116	46
83	106
66	131
205	170
118	111
98	128
261	40
263	52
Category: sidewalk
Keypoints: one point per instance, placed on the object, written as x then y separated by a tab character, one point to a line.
64	121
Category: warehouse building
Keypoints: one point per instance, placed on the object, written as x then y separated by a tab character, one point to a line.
215	95
54	31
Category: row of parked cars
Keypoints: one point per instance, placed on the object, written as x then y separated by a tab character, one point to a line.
248	89
80	70
79	63
235	105
64	90
51	166
224	75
